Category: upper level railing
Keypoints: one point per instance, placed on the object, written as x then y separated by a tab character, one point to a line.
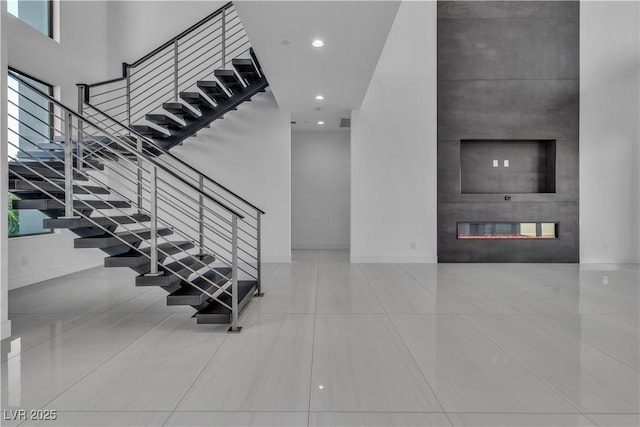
171	68
62	153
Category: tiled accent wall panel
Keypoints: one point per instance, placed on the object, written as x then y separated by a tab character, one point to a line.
508	71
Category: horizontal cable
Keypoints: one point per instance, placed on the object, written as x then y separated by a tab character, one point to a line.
137	70
81	214
189	47
95	95
136	85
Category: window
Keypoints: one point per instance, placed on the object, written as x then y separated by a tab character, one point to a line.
37	13
29	123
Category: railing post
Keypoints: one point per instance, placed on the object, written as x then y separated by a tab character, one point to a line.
175	70
201	216
153	209
234	275
224	38
127	75
139	174
80	152
68	167
259	292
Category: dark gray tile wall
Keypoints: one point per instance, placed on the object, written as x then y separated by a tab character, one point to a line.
508	71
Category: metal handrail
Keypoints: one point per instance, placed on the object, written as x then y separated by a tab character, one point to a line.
240	239
182	34
79	211
159	77
182	162
65	119
126	146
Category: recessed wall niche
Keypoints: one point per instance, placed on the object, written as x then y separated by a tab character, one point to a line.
507	166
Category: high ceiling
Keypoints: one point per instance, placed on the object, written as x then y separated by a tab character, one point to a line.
353	32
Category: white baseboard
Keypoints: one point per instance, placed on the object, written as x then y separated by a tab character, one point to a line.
6	329
625	260
320	247
50	273
418	259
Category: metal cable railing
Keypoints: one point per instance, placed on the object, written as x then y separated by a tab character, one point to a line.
159	77
178	64
190	206
249	227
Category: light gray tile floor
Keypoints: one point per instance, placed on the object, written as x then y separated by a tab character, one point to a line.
335	344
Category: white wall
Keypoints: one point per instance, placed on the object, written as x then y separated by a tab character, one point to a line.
249	152
320	189
393	147
609	132
77	55
138	27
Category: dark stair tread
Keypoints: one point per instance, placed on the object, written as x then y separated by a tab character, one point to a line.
149	131
193	262
101	138
255	61
38	172
230	80
53	147
213	90
189	295
104	221
134	257
246	69
17	185
180	110
113	239
165	121
215	312
197	100
49	204
56	158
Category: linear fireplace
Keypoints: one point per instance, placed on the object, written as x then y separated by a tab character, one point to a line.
507	230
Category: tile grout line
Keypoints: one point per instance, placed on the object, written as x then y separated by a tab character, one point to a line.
527	368
405	345
272	274
313	342
87	314
413	357
600	350
108	359
196	379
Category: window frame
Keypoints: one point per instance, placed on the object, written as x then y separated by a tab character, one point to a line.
51	116
50	21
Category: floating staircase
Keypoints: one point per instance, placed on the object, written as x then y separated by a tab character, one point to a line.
106	174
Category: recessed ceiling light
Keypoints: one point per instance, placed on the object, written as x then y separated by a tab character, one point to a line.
317	43
319	97
321	122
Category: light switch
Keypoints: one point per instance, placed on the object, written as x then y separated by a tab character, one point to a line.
495	163
506	163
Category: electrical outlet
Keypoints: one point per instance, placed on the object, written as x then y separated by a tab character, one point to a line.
495	163
605	280
412	245
24	261
506	163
